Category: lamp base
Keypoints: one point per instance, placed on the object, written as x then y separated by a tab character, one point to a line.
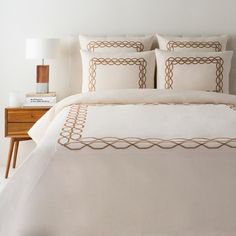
42	79
42	88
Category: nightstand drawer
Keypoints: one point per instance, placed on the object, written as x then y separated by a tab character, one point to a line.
15	129
24	115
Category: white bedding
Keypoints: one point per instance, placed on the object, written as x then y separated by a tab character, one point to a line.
128	162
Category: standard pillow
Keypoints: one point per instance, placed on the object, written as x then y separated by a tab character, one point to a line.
207	44
103	71
116	44
208	71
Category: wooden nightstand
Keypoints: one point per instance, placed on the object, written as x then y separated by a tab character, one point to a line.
18	121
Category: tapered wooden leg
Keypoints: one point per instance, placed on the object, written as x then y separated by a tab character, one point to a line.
15	153
9	156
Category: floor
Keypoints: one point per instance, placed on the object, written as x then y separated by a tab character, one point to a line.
24	150
4	181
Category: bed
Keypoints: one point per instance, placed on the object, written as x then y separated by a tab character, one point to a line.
125	159
135	162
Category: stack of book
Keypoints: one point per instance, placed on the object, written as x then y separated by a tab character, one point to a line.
40	99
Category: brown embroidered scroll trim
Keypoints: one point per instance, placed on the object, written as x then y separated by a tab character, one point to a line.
172	61
71	137
138	143
194	44
138	46
95	62
74	124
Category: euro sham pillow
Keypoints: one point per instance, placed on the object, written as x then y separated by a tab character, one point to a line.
206	44
116	44
206	71
103	71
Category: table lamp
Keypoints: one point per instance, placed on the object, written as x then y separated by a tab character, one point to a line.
42	49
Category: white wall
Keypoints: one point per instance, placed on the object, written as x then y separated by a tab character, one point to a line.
20	19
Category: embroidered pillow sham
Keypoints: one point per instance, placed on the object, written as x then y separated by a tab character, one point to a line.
207	44
103	71
116	44
207	71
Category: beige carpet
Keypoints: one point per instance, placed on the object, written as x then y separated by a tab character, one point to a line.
4	181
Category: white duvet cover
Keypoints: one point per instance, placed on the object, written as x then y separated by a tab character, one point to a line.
128	162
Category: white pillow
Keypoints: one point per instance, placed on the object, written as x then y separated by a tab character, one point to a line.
207	44
116	44
103	71
208	71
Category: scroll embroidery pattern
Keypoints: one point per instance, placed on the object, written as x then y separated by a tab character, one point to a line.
172	61
138	46
171	45
71	137
95	62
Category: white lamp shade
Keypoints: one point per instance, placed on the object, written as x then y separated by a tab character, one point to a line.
41	48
